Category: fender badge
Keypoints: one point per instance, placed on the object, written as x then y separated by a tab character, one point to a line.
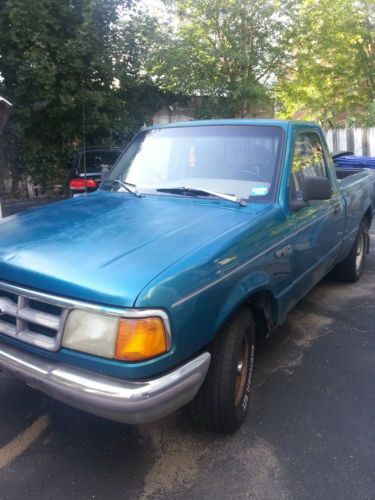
282	252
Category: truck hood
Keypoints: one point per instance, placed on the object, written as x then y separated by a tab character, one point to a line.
106	247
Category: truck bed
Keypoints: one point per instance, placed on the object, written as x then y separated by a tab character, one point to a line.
341	173
358	188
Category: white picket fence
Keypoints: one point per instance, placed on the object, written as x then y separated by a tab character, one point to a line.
359	140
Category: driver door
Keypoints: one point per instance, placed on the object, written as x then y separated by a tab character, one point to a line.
318	227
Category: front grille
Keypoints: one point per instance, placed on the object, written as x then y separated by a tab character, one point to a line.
36	321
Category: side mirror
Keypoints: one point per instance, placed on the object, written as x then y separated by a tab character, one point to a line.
314	188
317	188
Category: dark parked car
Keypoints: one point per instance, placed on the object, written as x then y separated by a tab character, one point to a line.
97	159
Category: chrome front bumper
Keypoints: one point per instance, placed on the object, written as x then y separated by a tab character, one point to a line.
125	401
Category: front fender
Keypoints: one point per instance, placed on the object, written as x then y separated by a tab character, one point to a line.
202	290
247	287
197	318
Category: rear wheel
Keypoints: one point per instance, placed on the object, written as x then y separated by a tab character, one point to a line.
351	268
222	402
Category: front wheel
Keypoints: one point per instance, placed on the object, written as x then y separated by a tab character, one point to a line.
351	268
222	402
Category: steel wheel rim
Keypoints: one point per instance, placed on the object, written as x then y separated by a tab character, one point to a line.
241	370
360	252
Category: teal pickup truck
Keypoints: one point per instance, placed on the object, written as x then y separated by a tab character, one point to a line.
150	293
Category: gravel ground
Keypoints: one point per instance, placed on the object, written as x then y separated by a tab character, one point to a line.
309	434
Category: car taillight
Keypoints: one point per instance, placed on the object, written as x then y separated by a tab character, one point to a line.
82	183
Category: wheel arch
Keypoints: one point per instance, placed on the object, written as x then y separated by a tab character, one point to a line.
368	219
368	216
265	309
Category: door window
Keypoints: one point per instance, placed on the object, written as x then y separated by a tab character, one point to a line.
308	161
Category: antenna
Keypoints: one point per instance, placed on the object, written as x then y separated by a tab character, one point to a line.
84	136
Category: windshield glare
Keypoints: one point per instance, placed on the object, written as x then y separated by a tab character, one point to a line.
238	160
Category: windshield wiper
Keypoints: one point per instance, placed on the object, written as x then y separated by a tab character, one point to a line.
126	185
190	191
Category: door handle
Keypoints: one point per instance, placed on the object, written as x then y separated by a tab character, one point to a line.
337	209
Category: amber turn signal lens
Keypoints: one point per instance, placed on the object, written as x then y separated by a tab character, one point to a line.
140	338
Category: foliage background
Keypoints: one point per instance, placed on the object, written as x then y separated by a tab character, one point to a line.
314	59
49	52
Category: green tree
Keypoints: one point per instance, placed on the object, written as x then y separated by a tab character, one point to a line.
49	51
330	77
227	50
138	33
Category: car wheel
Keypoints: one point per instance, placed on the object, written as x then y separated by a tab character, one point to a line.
351	268
223	400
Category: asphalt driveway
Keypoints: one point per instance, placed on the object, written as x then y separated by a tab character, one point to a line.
310	433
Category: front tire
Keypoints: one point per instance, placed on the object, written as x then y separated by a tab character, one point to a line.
351	268
222	402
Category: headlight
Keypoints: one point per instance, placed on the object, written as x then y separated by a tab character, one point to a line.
91	332
124	339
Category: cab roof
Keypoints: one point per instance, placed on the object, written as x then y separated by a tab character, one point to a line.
238	121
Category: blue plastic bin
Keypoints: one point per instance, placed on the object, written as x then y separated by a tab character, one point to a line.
352	161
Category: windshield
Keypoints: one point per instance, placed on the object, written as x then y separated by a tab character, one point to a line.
237	160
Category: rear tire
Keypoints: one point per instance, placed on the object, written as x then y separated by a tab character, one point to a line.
351	268
222	402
